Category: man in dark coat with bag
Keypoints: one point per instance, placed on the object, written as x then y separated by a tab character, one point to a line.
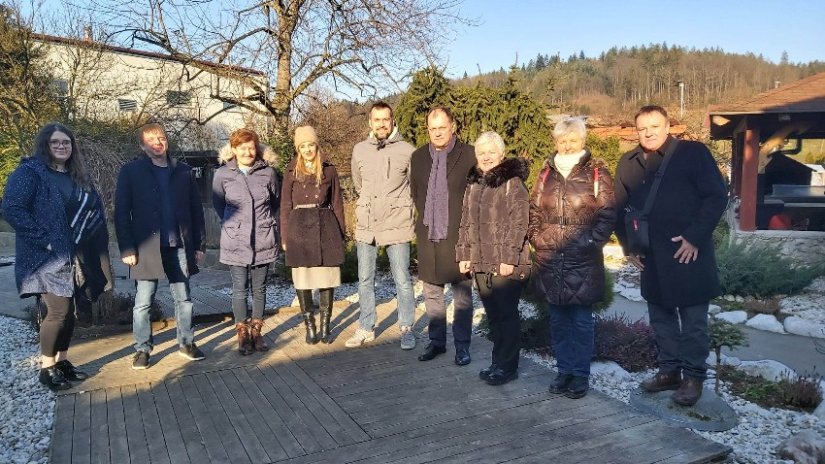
438	178
160	227
679	272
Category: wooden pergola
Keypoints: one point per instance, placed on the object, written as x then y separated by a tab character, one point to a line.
759	126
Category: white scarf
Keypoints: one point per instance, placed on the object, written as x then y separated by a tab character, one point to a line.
565	163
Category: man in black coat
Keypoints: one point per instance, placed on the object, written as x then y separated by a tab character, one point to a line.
160	228
438	178
679	272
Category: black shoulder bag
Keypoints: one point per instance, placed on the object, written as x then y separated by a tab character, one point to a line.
636	223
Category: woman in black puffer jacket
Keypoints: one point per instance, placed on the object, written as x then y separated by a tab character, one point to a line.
571	218
492	245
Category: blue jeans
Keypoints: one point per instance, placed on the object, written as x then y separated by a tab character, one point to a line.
174	265
399	255
241	275
571	332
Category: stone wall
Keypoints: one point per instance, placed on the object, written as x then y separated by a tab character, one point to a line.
804	247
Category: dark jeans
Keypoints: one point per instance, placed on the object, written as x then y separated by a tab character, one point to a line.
462	313
571	332
682	337
241	275
57	327
500	296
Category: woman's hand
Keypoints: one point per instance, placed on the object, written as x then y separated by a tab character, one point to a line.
464	267
130	260
505	269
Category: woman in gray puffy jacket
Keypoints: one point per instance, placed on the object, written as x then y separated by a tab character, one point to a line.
245	195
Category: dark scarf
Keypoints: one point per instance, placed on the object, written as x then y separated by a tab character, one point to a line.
437	204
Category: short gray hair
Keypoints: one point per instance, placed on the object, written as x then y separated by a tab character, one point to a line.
568	125
490	137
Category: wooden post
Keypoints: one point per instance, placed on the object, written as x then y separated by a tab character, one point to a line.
750	168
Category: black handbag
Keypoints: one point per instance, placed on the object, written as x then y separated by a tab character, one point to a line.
637	227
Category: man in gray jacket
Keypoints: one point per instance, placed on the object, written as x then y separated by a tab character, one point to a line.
384	217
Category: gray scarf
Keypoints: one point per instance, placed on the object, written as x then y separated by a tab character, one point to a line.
437	204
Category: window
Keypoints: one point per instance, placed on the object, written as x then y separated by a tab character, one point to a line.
229	106
126	105
178	97
61	86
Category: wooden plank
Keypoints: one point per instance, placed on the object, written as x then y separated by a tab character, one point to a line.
151	425
215	411
81	437
237	417
116	424
179	409
171	429
99	432
184	396
135	435
61	446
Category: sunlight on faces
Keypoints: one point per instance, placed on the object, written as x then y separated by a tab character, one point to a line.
570	143
488	156
440	129
154	143
308	150
381	123
653	128
60	147
245	153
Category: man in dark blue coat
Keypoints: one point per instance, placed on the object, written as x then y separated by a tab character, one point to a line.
679	272
160	228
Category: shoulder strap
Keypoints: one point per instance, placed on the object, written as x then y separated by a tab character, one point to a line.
651	196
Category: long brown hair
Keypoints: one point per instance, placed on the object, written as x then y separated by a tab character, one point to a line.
75	165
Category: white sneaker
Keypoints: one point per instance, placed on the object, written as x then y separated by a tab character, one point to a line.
407	338
360	337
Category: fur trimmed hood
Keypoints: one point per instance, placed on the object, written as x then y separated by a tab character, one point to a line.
499	175
268	154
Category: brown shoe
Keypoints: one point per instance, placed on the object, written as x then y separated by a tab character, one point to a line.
258	341
662	381
689	392
244	340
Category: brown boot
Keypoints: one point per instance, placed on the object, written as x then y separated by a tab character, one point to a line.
258	341
689	392
662	381
244	340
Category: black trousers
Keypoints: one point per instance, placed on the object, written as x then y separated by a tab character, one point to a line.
682	337
500	296
57	327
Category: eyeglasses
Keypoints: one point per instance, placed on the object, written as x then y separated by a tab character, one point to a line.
60	143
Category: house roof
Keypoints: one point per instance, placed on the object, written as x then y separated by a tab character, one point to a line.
136	52
803	96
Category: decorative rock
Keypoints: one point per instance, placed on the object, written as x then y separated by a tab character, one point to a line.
798	326
820	410
766	322
805	447
610	368
768	369
714	309
734	317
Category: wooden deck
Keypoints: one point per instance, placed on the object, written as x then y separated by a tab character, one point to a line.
329	404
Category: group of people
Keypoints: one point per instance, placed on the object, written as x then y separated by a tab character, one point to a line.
466	207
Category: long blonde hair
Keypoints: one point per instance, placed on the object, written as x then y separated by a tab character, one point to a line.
301	172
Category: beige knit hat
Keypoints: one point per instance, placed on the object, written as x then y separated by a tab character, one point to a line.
305	134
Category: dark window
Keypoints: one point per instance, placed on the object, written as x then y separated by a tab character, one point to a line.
126	105
178	97
61	86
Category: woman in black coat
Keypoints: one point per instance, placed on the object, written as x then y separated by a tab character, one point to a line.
571	218
492	246
61	243
312	221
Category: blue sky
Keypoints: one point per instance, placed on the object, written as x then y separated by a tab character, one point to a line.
530	27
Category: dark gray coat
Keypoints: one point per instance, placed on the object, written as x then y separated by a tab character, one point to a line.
436	260
248	208
690	201
138	216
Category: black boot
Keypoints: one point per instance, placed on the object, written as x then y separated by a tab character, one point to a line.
325	308
305	300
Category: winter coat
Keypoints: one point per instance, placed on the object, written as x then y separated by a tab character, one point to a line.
494	219
436	260
313	236
569	225
692	197
247	205
35	208
381	175
138	216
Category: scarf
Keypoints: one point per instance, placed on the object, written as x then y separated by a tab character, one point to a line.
566	163
437	204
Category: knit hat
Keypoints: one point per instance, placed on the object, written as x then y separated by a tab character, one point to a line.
305	134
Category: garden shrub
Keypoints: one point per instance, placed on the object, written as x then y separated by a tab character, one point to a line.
800	394
628	344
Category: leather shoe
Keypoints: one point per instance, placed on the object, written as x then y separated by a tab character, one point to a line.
53	378
484	374
431	351
662	381
70	371
688	393
462	357
577	388
499	377
559	385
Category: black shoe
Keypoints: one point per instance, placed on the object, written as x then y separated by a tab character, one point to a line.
70	371
578	388
462	356
499	377
484	374
140	361
191	352
431	351
53	378
559	385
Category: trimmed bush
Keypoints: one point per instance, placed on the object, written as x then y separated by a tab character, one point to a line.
628	344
